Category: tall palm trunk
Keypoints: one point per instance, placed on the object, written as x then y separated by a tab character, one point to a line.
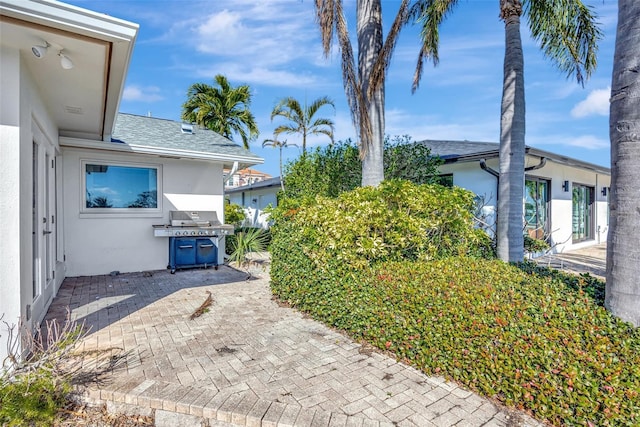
369	29
622	296
512	148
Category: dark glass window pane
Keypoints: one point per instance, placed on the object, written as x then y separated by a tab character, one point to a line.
109	186
582	209
536	207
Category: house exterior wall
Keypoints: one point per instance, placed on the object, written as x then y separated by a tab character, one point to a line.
469	175
99	243
23	119
254	202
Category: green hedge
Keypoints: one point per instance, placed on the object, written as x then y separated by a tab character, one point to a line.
535	339
397	220
530	341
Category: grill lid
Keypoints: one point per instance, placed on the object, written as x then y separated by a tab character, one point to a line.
194	218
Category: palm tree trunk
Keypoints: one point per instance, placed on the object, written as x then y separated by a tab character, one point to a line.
369	28
622	295
510	239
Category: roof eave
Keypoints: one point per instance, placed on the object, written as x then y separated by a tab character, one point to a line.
226	159
120	34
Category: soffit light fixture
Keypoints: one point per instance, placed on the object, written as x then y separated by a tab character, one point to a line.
39	51
65	61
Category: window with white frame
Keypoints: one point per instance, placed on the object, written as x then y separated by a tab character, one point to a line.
120	187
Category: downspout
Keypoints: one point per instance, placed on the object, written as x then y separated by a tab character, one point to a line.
225	181
484	167
543	161
233	170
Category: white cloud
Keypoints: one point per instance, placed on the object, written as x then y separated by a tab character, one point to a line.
420	127
596	103
142	94
589	142
259	75
272	43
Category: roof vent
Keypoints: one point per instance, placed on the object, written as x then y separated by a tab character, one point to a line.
73	110
187	128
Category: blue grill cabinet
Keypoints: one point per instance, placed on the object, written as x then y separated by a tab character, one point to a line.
189	252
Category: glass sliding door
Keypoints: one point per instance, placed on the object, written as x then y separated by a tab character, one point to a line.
536	207
582	212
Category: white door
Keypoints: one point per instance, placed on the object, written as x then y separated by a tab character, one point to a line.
44	229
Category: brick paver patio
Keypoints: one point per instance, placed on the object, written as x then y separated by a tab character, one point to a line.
249	361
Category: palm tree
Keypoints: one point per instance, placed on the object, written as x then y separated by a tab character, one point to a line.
622	292
221	108
364	89
280	145
568	35
301	119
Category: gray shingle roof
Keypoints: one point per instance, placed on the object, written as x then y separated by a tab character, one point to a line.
467	151
457	149
265	183
167	135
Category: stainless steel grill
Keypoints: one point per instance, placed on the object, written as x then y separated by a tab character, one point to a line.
194	238
193	223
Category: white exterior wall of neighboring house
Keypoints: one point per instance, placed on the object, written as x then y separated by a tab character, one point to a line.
24	120
254	202
469	175
98	243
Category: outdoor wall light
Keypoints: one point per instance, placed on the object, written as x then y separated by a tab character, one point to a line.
39	51
605	190
565	186
65	62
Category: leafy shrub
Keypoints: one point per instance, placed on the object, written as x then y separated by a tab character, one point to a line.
384	265
234	214
332	170
584	282
532	245
531	341
397	220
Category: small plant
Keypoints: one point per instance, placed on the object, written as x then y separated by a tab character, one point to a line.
247	241
43	369
34	387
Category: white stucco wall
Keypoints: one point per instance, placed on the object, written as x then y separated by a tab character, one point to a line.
21	112
255	202
472	177
101	243
10	243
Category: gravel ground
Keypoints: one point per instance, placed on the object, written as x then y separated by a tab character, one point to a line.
84	416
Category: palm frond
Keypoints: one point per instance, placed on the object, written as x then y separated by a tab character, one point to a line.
429	14
325	14
568	33
379	71
352	88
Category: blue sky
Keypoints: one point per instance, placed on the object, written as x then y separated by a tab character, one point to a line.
274	47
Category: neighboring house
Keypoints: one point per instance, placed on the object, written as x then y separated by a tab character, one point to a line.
246	177
565	200
254	198
61	136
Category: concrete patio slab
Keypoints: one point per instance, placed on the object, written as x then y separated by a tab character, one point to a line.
247	360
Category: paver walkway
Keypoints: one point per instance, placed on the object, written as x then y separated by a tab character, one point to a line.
592	260
248	360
